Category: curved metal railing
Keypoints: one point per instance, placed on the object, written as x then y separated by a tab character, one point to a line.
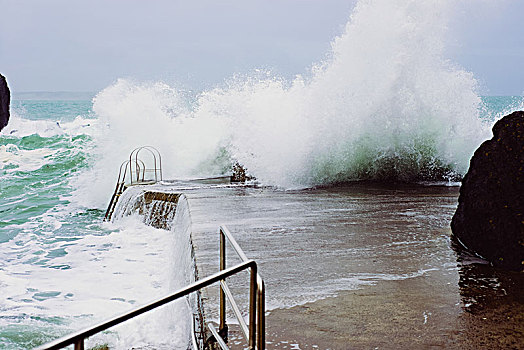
136	176
157	163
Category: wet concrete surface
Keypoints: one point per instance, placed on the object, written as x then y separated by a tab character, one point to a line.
363	266
405	314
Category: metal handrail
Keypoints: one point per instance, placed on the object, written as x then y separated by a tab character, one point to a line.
236	310
77	338
257	315
155	153
128	164
218	338
140	174
120	184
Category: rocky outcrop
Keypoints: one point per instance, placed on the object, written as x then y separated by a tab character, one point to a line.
490	216
5	100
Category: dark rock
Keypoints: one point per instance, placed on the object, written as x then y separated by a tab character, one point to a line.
239	174
490	216
5	100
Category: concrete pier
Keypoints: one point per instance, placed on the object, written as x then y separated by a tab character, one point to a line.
366	266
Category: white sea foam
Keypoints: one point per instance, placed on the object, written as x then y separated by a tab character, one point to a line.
299	295
12	158
19	127
95	278
15	157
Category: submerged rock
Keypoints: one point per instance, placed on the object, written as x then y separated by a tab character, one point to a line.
5	100
490	216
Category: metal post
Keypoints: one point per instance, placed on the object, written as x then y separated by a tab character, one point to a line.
160	166
261	325
222	294
79	344
253	308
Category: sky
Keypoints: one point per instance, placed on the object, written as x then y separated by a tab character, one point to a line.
86	45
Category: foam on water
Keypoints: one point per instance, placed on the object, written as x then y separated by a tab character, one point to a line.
65	283
20	126
172	323
16	159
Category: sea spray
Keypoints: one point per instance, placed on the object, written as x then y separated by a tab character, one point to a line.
385	105
132	115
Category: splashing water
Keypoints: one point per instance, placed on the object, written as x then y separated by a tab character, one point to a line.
386	105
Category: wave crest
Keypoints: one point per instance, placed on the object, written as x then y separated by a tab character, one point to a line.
385	105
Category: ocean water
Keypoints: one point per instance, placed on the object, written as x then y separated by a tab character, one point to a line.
386	105
63	268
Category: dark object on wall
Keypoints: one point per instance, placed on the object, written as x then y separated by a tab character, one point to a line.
5	100
239	174
490	216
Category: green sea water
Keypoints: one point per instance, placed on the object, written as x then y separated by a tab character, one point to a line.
37	164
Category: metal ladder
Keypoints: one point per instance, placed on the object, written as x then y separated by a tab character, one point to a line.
140	175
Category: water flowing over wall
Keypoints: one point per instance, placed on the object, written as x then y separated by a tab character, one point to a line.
157	209
170	211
